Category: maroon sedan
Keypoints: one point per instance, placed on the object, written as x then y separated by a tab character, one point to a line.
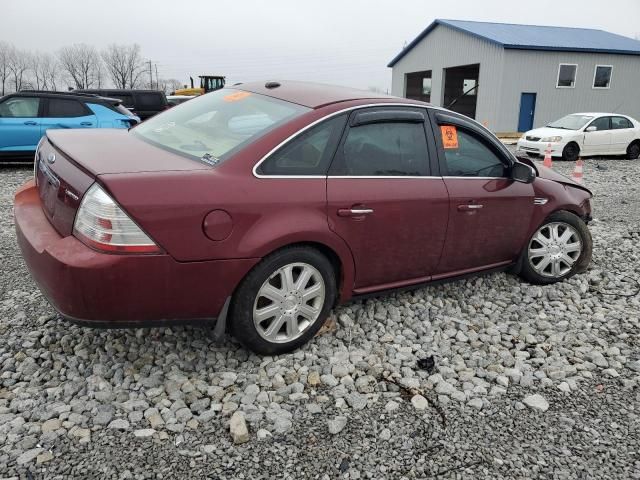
258	208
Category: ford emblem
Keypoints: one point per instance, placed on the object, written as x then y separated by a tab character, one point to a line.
51	158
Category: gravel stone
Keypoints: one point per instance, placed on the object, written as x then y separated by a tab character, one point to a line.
536	402
238	428
419	402
337	424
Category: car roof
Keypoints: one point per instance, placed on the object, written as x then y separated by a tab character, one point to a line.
599	114
119	90
83	97
309	94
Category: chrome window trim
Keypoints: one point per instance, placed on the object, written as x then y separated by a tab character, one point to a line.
312	124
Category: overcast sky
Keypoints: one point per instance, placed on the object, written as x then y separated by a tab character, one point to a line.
346	42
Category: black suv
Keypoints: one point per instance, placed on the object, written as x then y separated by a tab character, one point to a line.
25	117
144	103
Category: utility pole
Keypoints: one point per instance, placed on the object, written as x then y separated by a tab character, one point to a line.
157	79
150	75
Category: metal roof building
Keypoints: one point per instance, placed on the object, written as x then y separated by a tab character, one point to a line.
515	77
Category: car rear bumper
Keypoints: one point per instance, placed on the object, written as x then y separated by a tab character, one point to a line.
106	290
538	148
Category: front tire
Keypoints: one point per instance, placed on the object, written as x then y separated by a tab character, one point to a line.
570	152
558	249
282	303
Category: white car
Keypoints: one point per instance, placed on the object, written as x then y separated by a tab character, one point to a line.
585	134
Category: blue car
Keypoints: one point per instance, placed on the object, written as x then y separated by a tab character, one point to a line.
26	116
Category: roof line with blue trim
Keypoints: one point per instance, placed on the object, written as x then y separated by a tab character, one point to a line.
534	37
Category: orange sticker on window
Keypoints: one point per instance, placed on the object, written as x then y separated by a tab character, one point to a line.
234	97
449	136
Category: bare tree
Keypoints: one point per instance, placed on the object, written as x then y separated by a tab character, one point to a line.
43	67
169	85
19	64
124	65
5	48
82	65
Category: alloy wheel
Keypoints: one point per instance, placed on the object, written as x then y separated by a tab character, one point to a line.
554	248
288	302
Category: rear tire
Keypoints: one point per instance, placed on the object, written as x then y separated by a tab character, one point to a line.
282	303
571	152
557	250
633	150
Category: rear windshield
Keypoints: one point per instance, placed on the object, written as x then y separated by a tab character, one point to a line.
571	122
149	99
209	127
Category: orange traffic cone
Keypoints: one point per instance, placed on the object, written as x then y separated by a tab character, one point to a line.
547	157
577	171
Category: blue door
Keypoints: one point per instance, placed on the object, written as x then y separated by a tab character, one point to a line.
67	113
19	124
527	111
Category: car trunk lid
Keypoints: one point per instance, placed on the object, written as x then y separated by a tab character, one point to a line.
68	163
108	151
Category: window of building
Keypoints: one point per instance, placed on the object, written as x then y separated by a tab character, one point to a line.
619	123
602	76
466	155
469	86
418	86
384	149
567	75
308	153
63	108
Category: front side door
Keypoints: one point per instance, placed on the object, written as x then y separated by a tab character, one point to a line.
382	201
19	124
67	113
597	141
622	134
489	213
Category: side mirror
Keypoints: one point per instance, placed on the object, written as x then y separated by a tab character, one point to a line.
522	173
592	128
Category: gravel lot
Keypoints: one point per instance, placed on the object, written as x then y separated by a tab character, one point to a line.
528	381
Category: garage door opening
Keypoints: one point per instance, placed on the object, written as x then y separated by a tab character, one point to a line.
419	86
461	89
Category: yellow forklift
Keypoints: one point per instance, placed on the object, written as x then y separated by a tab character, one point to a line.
208	83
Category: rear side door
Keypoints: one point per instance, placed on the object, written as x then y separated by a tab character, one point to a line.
20	128
622	134
489	213
67	113
597	141
383	200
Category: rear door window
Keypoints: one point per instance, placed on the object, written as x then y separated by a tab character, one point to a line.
64	108
383	149
619	123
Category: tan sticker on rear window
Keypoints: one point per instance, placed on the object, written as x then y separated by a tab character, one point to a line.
449	136
234	97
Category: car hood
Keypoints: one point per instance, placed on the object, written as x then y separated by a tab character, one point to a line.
550	174
111	151
549	132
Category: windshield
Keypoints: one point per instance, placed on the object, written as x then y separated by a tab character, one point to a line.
571	122
211	126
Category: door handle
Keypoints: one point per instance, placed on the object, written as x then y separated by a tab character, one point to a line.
31	123
354	212
86	124
469	207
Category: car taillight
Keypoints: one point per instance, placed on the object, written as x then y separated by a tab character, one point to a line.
101	224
